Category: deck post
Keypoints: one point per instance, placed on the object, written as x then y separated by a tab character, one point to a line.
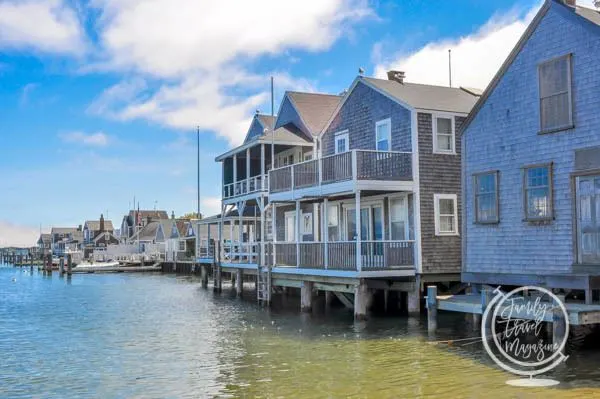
361	300
69	265
61	266
558	324
328	298
432	308
358	230
204	276
325	224
297	233
306	296
239	282
486	297
414	299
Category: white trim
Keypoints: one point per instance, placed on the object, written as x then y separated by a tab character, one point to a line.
341	135
434	118
417	192
436	210
287	215
384	122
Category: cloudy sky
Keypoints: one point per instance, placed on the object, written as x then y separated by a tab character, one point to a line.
100	99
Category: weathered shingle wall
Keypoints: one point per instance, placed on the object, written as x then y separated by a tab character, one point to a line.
287	114
504	136
359	114
438	174
256	130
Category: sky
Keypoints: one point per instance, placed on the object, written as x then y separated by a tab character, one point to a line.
100	99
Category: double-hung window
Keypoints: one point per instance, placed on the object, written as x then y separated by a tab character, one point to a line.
341	142
537	192
383	135
556	106
486	197
443	135
333	222
446	214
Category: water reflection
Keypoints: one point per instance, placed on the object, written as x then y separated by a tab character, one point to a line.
163	336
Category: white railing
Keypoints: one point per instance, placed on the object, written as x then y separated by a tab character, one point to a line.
240	252
205	249
351	165
342	255
247	186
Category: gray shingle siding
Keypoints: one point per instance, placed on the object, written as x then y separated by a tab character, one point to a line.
256	130
504	136
287	114
359	114
438	174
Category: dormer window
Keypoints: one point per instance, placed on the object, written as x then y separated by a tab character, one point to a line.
556	102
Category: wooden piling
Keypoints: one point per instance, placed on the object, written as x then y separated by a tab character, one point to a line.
61	266
361	300
239	282
432	308
558	324
204	276
306	296
486	297
69	264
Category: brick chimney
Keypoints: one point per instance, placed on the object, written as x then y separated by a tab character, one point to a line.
397	76
570	3
101	223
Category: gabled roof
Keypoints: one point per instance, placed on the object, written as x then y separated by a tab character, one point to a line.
428	97
63	230
267	121
103	235
586	14
314	109
45	238
94	225
148	232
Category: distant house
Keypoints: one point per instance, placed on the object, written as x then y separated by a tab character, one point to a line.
175	231
44	244
92	228
531	152
137	219
65	238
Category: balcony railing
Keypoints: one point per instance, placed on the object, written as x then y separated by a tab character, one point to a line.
247	186
342	255
351	165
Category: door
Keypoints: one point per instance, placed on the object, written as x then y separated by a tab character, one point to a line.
588	213
290	227
351	230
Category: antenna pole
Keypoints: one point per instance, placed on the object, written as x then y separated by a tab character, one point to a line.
272	127
198	166
450	66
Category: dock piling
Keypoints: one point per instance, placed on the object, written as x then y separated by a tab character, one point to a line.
61	266
558	324
204	276
306	296
239	282
432	308
361	300
486	297
69	265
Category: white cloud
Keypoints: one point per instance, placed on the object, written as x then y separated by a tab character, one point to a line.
13	235
475	57
45	25
26	91
189	60
98	139
210	206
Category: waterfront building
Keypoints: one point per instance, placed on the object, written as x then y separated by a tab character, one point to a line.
65	239
44	245
97	234
136	219
531	153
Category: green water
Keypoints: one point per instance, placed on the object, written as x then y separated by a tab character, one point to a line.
161	336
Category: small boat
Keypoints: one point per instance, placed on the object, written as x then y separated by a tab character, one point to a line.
98	265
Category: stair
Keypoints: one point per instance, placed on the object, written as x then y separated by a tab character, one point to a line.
264	285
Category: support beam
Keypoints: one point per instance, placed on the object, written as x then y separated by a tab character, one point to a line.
558	324
361	301
306	296
432	307
328	298
239	282
297	233
414	299
326	232
204	276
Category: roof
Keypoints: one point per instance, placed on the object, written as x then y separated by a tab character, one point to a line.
267	121
148	232
588	14
314	109
422	96
102	235
153	214
45	238
63	230
94	225
181	226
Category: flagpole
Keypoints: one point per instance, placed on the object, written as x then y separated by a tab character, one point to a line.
198	165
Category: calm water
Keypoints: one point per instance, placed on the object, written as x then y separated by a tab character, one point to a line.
158	336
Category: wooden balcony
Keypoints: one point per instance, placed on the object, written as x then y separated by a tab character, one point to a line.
240	188
340	172
374	255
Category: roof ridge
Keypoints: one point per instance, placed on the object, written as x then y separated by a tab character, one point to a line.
415	84
312	93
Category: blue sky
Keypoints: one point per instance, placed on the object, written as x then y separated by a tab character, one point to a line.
100	99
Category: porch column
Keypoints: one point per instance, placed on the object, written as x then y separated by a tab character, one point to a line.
263	255
358	230
297	233
274	230
234	170
326	232
248	170
262	160
219	246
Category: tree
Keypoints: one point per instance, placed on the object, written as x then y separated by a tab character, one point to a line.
191	215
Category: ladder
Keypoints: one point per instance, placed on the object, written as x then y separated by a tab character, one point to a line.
263	292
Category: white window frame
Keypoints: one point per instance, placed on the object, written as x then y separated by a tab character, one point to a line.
405	216
343	135
570	123
179	246
435	133
289	215
436	210
303	230
385	122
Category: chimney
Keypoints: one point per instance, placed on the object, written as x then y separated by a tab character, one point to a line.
172	214
79	228
101	223
397	76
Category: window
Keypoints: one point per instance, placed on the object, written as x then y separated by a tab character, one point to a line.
537	192
446	214
383	135
333	223
443	135
182	245
486	197
398	219
308	156
556	108
307	223
341	142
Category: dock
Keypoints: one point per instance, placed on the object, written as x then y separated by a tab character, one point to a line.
117	269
